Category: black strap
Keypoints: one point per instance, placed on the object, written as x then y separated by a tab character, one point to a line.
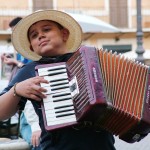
62	58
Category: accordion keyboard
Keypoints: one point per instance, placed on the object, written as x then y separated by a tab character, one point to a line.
58	104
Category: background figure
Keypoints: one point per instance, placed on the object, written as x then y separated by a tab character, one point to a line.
28	121
29	127
9	60
15	62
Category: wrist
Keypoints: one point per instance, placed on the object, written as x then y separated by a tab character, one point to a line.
15	92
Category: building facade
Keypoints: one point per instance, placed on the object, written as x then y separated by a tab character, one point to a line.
120	13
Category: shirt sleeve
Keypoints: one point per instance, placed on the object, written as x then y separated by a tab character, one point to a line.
31	116
26	72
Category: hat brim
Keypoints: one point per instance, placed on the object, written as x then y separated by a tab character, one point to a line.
19	36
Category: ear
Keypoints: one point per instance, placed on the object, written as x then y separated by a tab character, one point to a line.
65	33
31	48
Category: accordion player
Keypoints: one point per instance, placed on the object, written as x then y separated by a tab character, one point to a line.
99	86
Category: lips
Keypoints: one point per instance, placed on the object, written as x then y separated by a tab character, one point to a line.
43	43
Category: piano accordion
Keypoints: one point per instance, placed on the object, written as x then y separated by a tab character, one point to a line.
99	86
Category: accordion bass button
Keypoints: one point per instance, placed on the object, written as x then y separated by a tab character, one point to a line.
136	137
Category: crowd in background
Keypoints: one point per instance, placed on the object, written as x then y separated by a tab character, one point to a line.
26	123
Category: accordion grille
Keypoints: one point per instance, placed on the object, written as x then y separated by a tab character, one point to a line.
76	67
125	83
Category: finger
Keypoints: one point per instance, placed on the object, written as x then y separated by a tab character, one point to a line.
35	87
43	89
37	141
33	141
39	80
35	97
40	95
38	91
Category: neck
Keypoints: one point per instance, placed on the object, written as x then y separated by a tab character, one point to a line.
58	52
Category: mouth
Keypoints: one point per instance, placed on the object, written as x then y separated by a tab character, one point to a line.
43	43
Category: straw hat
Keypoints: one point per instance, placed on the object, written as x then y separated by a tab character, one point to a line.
19	36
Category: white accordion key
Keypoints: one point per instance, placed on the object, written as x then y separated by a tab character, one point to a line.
59	108
51	68
55	105
47	70
65	119
59	114
58	105
56	78
52	73
56	89
51	102
58	96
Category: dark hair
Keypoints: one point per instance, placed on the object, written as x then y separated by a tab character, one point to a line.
14	21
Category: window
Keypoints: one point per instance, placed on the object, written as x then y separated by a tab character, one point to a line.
42	4
118	48
118	13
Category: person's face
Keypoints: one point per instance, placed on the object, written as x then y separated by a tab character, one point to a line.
47	39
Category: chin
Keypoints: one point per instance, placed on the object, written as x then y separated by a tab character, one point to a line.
50	52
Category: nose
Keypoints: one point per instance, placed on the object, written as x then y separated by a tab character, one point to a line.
41	35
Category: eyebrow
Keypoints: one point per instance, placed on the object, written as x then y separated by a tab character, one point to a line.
41	26
29	33
58	25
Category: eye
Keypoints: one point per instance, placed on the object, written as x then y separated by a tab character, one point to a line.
46	29
33	35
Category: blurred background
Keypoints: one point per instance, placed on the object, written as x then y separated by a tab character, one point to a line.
118	25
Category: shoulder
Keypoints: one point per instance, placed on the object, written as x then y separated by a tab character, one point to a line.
30	65
29	68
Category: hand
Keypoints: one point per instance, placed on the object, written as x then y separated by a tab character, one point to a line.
31	88
2	56
8	60
35	138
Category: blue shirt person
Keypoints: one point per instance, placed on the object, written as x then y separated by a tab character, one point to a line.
48	36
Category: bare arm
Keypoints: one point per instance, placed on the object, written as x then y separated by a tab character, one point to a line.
8	104
29	88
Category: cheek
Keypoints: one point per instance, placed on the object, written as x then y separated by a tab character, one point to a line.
33	45
65	35
31	48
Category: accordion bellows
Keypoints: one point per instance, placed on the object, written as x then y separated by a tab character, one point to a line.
113	93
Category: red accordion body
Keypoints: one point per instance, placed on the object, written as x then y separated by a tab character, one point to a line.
109	90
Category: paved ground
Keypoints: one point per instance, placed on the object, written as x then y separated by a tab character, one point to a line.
18	144
144	144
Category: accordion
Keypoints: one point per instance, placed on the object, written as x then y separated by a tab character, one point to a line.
99	86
